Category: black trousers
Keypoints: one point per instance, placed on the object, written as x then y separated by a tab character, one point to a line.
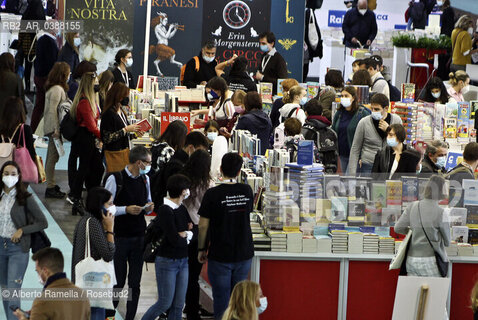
192	295
91	167
128	254
73	163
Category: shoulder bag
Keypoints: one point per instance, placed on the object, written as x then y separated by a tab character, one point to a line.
95	274
441	264
7	148
24	160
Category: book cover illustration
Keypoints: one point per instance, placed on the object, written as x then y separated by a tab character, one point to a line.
473	107
470	188
313	89
362	189
408	92
394	192
280	93
451	110
379	195
464	110
450	128
459	234
472	215
339	208
409	189
390	216
266	92
462	129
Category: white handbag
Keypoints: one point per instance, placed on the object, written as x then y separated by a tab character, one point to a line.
397	261
94	275
313	35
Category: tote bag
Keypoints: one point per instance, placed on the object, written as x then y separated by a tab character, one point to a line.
116	160
95	274
24	160
401	255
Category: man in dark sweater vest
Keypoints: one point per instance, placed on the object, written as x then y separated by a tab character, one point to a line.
46	56
273	66
465	170
201	68
133	201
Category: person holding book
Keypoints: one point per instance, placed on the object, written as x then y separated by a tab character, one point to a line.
387	159
430	229
115	128
460	84
255	120
224	216
435	92
370	136
465	170
345	122
434	161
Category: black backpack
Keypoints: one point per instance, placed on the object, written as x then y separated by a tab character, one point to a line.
395	94
68	127
152	241
327	145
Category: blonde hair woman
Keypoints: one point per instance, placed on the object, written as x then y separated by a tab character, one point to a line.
246	302
86	113
461	39
460	82
278	103
294	99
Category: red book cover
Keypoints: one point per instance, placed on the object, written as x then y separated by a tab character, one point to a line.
144	125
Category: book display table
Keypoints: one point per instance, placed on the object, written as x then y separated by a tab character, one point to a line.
345	286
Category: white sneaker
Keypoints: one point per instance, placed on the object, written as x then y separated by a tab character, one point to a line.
40	143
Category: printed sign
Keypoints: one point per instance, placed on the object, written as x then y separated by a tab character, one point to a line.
336	18
168	117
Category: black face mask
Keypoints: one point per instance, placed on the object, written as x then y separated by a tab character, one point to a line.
125	101
96	88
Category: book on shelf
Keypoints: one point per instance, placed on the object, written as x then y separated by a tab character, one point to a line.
458	216
451	110
473	236
464	110
462	129
450	128
473	108
390	216
459	234
339	208
313	89
472	215
409	188
394	192
266	92
379	194
408	92
280	93
470	188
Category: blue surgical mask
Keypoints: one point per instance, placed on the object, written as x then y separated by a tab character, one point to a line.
419	169
264	48
303	101
376	115
263	305
441	162
145	170
436	95
77	42
212	95
212	136
392	142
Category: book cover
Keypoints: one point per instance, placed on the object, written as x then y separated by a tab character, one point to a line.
373	213
458	216
266	92
379	194
305	152
459	234
472	215
390	216
333	186
144	125
464	110
438	124
450	128
356	213
473	107
408	92
473	236
313	89
280	93
409	189
394	192
462	128
470	188
338	208
451	110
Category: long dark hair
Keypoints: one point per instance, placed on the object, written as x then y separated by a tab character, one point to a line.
218	84
11	115
7	64
22	193
114	96
408	163
95	201
58	75
175	135
435	83
197	169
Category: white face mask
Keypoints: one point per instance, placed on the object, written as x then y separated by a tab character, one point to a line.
441	162
376	115
187	193
112	210
129	62
465	89
40	280
362	11
10	181
212	136
439	3
208	59
436	95
263	306
470	31
77	42
345	102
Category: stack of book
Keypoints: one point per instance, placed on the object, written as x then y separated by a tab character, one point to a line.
397	245
356	242
275	208
256	228
307	182
261	242
340	241
465	249
294	242
387	245
370	243
475	250
324	244
278	241
452	250
309	244
409	115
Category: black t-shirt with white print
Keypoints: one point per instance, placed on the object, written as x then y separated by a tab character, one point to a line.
228	207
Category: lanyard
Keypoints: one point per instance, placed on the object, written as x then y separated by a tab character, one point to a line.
123	118
265	62
125	77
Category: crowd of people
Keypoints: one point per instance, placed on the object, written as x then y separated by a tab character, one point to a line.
190	179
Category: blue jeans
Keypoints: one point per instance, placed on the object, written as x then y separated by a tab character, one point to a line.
13	264
223	277
172	281
365	170
97	314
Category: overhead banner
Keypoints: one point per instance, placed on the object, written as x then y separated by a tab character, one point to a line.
108	27
235	27
173	36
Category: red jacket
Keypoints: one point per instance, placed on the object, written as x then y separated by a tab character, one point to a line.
85	117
